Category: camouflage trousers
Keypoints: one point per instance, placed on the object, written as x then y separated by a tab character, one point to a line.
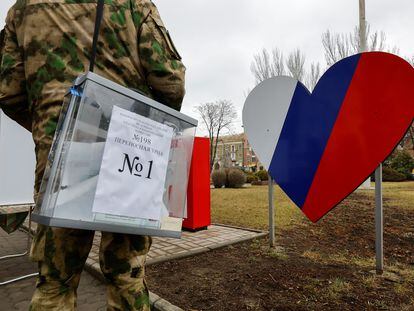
61	254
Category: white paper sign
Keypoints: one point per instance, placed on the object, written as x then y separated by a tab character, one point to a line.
134	167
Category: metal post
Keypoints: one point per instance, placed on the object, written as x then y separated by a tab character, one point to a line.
379	222
271	213
362	27
363	48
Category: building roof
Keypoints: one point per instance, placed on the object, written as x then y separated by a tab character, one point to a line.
233	138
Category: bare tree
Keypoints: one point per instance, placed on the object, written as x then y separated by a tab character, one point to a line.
278	63
217	117
338	46
313	76
408	140
272	64
267	65
296	64
410	135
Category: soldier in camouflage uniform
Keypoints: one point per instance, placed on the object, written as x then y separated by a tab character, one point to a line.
47	44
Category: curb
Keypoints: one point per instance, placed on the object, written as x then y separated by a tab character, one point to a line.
260	234
159	304
204	250
240	228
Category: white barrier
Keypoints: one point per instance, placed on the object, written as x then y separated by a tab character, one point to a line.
17	163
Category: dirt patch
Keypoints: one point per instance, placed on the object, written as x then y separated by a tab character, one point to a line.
324	266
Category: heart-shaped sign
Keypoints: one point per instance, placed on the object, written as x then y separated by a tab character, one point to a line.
320	147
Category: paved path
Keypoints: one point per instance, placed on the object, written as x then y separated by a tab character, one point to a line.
16	296
191	243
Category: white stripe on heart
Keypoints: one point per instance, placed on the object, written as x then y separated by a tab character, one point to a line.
264	114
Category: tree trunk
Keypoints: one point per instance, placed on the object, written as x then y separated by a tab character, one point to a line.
213	158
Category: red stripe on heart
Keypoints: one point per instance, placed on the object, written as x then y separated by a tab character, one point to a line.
376	112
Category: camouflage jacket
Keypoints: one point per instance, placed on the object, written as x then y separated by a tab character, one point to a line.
47	44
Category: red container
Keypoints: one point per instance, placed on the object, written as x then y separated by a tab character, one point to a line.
198	194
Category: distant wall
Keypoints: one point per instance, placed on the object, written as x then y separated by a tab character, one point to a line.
17	163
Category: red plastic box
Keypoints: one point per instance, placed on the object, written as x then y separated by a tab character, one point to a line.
198	194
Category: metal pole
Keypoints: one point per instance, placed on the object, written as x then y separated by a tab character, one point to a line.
379	222
363	48
271	213
362	27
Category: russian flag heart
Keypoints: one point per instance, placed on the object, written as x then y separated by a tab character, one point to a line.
320	147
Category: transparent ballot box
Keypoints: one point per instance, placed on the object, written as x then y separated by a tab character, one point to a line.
119	163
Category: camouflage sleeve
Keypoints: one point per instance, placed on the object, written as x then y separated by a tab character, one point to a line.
13	99
163	67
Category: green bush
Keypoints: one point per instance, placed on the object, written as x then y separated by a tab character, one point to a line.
250	177
262	175
402	162
219	178
235	178
389	174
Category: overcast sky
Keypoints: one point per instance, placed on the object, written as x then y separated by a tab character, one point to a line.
218	38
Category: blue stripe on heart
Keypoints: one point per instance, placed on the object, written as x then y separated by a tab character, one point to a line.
294	166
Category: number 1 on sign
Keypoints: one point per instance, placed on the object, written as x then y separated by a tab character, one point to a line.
150	169
135	168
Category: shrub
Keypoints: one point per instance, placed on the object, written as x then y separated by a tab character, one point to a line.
262	175
389	174
235	178
250	177
257	183
219	178
226	183
402	162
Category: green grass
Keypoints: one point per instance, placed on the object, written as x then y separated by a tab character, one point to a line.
340	258
337	287
402	194
248	207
